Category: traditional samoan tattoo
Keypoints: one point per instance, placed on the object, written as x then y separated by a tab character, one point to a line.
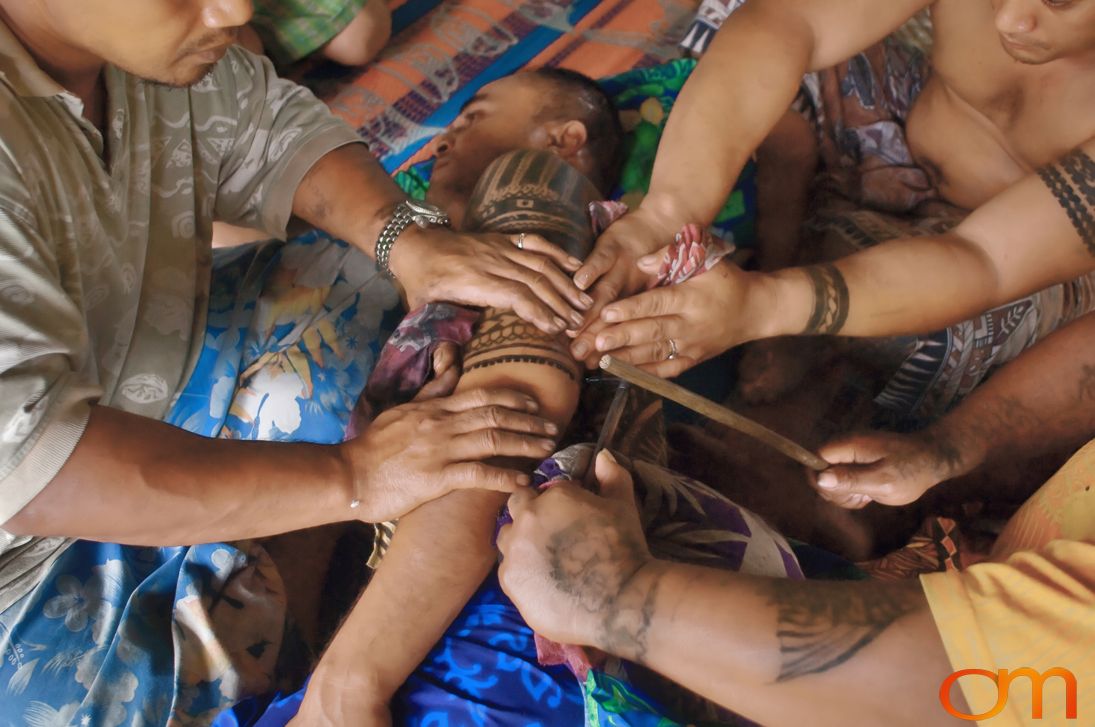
1072	181
534	192
830	300
524	358
593	564
822	624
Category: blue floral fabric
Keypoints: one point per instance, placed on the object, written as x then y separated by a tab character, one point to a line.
122	635
487	670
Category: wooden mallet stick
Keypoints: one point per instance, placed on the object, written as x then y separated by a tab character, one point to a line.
711	410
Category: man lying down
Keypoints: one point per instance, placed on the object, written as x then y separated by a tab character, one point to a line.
528	153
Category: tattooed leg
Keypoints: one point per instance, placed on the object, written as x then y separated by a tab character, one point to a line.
532	192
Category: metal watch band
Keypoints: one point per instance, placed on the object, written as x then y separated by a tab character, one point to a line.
405	214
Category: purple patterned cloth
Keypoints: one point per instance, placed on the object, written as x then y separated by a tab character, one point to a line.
405	363
684	520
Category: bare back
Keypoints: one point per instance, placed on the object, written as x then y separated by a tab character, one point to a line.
985	120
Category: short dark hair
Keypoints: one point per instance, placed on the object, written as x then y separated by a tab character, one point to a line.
577	96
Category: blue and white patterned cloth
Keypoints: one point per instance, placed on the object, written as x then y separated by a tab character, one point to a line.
122	635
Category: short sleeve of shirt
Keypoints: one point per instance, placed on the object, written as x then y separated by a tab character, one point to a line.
1035	610
44	404
282	130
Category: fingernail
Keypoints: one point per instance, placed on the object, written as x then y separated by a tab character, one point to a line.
826	480
524	480
608	455
532	405
606	343
552	428
547	444
587	301
576	319
575	262
560	324
581	349
648	260
582	281
611	314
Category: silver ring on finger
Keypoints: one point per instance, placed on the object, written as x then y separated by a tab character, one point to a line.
672	350
520	243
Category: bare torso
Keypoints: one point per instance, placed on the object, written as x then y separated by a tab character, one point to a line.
984	120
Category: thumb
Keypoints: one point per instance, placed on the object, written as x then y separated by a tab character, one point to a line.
865	479
615	481
649	263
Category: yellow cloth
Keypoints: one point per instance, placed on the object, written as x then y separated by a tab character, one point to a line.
1032	606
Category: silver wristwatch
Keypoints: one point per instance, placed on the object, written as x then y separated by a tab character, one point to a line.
406	212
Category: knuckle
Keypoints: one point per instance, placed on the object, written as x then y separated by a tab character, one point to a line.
492	440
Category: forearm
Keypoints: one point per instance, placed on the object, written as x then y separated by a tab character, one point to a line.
175	488
438	557
1041	402
745	82
349	195
784	652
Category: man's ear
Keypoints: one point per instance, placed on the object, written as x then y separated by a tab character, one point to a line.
567	138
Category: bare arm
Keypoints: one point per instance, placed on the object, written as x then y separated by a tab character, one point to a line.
1038	232
1039	403
738	92
442	551
348	194
745	83
176	488
170	485
776	651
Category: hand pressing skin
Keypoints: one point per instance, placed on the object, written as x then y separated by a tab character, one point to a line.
422	450
610	272
491	271
703	316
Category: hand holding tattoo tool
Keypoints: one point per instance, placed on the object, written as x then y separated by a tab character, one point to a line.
667	389
608	430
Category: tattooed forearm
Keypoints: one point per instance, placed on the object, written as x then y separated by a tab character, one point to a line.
1072	181
535	192
593	563
830	300
824	624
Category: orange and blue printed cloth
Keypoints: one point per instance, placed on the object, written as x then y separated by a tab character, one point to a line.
119	634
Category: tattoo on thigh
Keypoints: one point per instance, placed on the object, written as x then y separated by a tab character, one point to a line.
535	192
822	625
1072	181
593	565
502	337
830	300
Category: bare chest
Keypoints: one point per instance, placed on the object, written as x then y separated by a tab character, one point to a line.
985	121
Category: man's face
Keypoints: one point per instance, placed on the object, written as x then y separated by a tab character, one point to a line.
498	119
174	42
1040	31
